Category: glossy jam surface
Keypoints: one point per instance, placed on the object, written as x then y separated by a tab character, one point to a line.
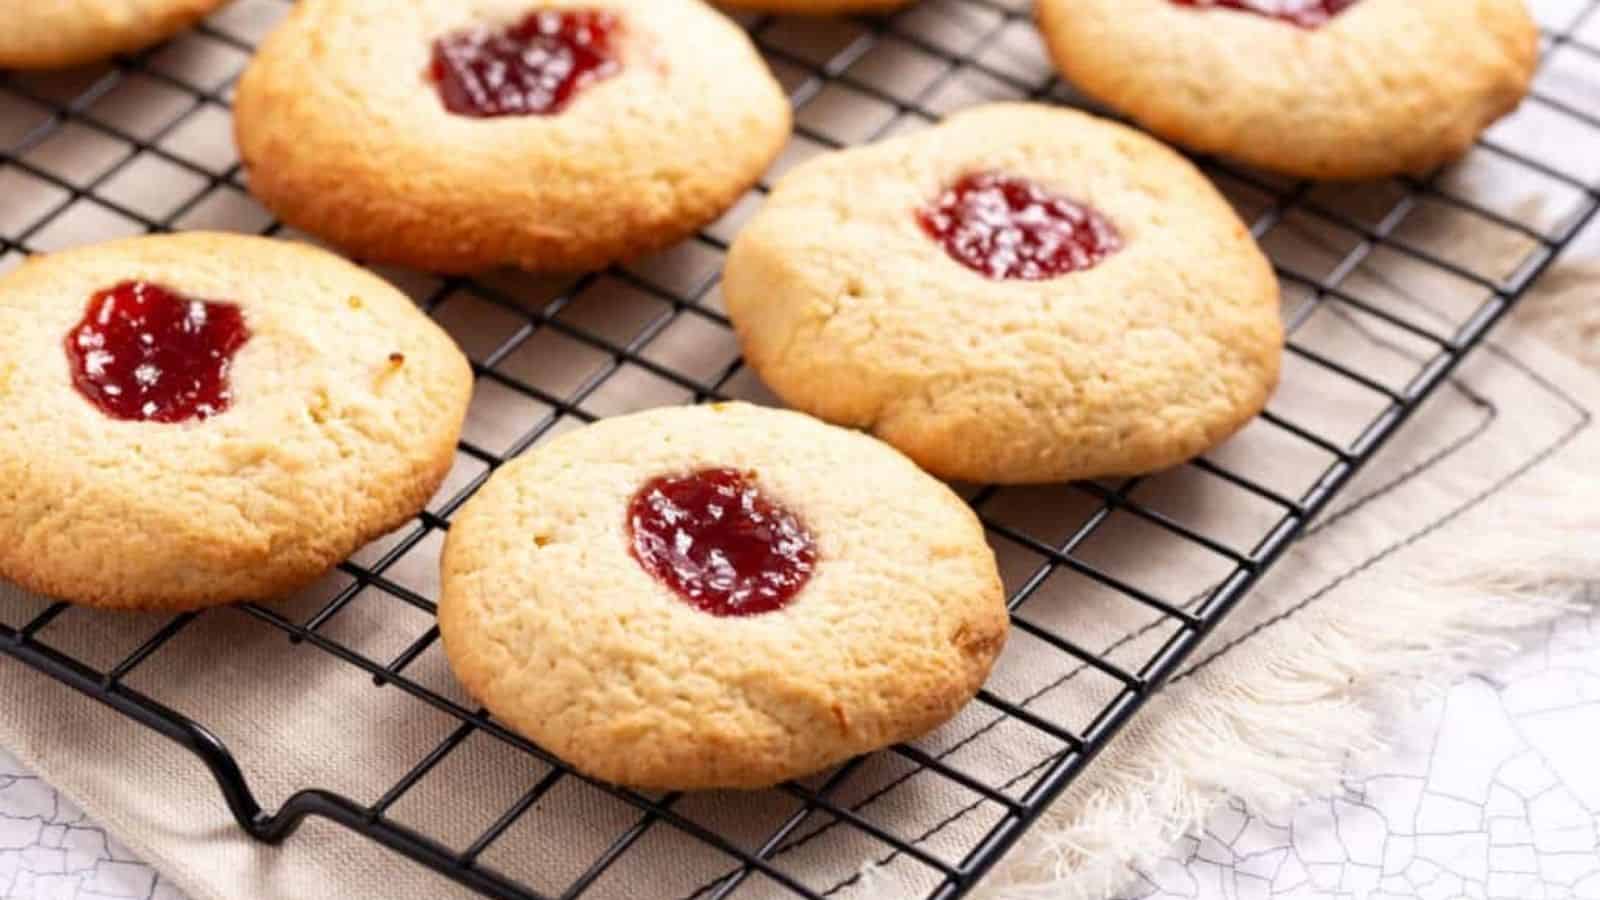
533	68
144	353
1305	13
1006	227
719	543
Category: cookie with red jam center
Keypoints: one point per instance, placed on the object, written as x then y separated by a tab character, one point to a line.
199	419
718	596
550	135
1333	89
1020	294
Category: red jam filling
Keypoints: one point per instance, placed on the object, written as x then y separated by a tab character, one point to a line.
532	68
1007	227
719	543
143	353
1305	13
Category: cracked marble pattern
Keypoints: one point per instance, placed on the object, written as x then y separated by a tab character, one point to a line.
1493	793
50	851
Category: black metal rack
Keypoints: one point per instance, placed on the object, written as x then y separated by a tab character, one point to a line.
881	75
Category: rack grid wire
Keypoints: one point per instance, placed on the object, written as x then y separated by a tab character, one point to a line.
79	153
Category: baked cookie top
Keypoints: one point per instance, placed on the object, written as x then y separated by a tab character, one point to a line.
551	135
48	34
1347	89
1020	294
570	610
202	418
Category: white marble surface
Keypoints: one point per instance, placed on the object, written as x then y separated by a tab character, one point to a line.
50	851
1493	792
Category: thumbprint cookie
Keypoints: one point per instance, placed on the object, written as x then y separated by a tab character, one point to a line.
1023	293
551	135
197	419
718	597
1337	89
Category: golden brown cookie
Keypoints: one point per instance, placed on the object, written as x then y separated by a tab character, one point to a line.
48	34
1021	294
1324	90
456	136
202	418
718	596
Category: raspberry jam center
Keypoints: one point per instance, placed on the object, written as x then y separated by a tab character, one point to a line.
1007	227
1305	13
143	353
719	543
532	68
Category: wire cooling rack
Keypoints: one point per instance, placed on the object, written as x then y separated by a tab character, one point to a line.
143	146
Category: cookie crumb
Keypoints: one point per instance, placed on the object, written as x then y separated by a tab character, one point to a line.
977	643
318	408
395	363
355	302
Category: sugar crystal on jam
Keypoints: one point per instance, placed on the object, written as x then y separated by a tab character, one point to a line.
1007	227
1304	13
534	67
720	543
143	352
